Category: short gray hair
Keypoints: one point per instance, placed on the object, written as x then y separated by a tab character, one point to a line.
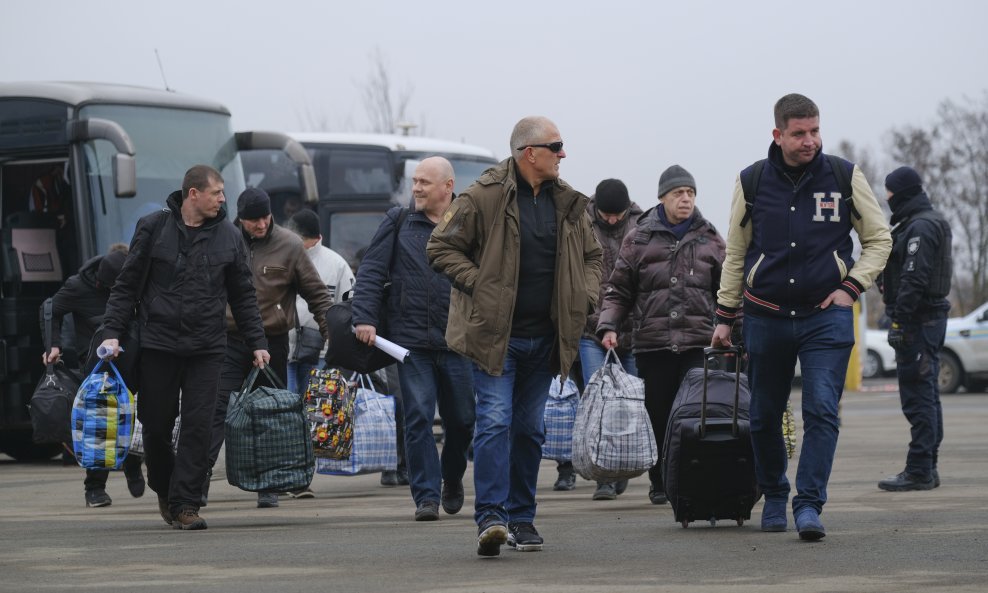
530	130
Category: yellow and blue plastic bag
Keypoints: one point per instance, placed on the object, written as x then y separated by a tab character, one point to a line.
103	416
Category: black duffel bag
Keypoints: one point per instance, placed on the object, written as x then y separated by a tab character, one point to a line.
345	350
51	405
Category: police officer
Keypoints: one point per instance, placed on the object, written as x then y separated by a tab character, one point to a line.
916	281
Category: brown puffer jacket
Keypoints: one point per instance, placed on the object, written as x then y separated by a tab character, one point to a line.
610	236
669	286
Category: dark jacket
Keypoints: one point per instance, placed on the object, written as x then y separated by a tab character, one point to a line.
418	300
796	249
280	271
183	303
477	245
610	237
83	297
916	279
668	285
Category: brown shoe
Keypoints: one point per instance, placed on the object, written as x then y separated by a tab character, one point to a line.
163	509
188	518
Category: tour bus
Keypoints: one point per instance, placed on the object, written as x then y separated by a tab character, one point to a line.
358	177
80	163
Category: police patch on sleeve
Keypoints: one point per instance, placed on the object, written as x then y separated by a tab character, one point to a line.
912	246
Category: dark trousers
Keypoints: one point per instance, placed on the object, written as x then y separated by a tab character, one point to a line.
237	362
96	478
918	367
663	371
165	375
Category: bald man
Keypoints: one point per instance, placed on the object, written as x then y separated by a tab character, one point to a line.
416	310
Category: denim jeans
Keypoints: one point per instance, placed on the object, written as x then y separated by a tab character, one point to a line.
918	367
507	446
429	377
298	375
822	342
592	358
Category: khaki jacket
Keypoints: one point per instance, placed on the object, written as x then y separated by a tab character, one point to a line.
476	245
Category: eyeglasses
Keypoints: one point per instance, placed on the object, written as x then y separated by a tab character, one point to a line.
552	146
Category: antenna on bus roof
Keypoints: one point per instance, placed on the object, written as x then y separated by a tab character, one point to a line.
162	70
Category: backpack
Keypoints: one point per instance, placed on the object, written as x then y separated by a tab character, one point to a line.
749	185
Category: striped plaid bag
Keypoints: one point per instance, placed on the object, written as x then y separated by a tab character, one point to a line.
560	414
267	437
612	435
374	436
103	416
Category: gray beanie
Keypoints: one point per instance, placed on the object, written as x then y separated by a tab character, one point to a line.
673	177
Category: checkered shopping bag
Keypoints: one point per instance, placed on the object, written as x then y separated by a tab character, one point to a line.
374	436
329	410
560	414
267	437
612	435
137	444
103	415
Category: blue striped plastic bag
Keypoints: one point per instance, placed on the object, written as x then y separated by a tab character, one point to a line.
560	414
103	415
375	447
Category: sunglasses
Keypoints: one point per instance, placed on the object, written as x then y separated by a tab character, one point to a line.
552	146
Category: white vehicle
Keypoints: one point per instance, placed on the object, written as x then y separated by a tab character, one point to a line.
359	177
879	357
964	358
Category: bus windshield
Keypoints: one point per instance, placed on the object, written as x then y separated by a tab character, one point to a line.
168	142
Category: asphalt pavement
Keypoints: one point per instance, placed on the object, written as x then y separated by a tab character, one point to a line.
358	536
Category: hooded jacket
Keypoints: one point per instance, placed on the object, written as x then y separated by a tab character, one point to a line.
796	249
667	285
183	302
610	237
83	297
280	271
477	246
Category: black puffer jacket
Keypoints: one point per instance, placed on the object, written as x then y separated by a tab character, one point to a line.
183	303
418	301
668	285
83	297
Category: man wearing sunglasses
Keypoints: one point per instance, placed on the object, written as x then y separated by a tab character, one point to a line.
525	267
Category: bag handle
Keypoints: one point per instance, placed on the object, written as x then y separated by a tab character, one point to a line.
252	378
612	358
47	317
113	368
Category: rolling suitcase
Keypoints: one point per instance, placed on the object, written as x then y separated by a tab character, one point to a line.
708	466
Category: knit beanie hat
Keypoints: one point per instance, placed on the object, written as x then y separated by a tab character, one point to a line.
306	223
673	177
902	179
109	268
611	196
253	203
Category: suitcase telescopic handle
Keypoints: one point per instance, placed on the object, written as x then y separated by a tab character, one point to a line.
709	353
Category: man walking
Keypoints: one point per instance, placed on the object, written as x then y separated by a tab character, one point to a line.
416	312
789	254
280	270
915	284
525	267
185	264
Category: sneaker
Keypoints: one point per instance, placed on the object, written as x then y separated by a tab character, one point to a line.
303	493
427	511
774	516
188	519
808	525
657	495
402	477
565	481
524	538
166	514
135	479
905	481
389	478
452	496
492	533
605	491
97	498
620	486
267	500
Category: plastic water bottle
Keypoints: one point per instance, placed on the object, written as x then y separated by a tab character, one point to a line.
104	352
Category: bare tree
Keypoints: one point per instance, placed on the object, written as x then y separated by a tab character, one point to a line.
952	158
385	107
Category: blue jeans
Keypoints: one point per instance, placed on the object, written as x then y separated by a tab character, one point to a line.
298	375
918	367
507	445
429	377
822	342
592	358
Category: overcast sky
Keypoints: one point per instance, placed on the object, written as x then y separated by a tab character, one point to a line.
633	86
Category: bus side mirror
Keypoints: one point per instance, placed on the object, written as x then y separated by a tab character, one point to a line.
124	176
